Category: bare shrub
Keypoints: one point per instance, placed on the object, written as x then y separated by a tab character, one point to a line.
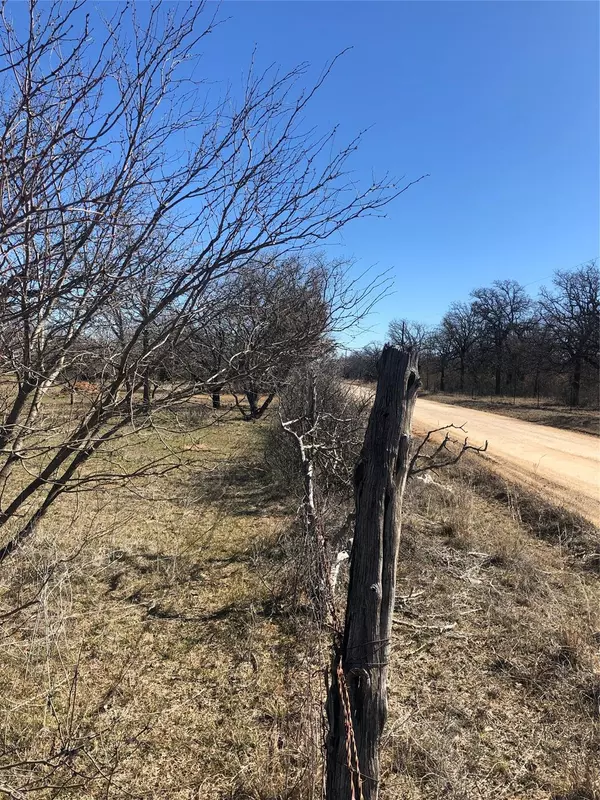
324	421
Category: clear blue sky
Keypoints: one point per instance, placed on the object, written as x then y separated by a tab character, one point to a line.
497	101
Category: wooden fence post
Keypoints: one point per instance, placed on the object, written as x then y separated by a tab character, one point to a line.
357	696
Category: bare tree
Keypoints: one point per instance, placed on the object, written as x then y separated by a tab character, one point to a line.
439	349
502	311
362	364
281	320
571	313
100	205
459	327
406	333
504	340
276	316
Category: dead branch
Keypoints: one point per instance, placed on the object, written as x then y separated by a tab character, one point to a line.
437	460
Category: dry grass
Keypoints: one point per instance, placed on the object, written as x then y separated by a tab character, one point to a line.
163	656
548	412
496	660
157	662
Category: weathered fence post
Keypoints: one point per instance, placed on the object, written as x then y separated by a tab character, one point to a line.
357	698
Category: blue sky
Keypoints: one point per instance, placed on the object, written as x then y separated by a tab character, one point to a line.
497	101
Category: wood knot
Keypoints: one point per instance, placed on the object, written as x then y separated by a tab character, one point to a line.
362	676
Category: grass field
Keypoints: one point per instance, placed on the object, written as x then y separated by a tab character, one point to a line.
167	654
548	412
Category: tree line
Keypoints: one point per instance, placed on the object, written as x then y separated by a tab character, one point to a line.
504	342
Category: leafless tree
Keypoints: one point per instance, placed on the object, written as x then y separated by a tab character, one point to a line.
406	333
502	310
105	215
282	320
505	339
571	313
437	349
362	364
460	329
275	316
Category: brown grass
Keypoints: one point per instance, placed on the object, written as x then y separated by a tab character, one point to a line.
548	412
158	656
164	655
496	663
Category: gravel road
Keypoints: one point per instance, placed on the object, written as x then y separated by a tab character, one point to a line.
564	465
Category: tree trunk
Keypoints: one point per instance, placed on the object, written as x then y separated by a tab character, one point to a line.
256	410
442	375
576	383
266	403
252	397
8	430
147	392
462	374
216	399
498	383
357	697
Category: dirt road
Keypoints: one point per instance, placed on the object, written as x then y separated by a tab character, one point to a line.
562	464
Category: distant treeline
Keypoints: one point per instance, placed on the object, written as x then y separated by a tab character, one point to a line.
504	342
